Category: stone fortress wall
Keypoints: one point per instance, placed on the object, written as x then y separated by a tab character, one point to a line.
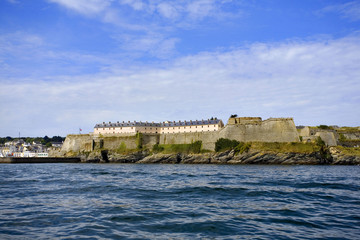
246	129
309	134
243	130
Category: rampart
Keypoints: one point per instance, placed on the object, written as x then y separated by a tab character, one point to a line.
208	138
88	142
270	130
77	143
244	130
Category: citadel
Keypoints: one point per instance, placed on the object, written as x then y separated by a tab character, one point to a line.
111	135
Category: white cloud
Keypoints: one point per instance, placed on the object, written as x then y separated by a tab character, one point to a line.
135	4
22	53
349	10
13	1
317	82
183	13
168	11
87	7
147	25
153	44
201	8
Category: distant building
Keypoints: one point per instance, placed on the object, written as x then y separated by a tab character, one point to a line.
191	126
23	149
165	127
56	144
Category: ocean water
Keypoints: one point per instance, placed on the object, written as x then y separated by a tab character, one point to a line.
130	201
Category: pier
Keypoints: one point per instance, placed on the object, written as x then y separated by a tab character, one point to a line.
39	160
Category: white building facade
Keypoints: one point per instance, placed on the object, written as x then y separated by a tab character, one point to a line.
167	127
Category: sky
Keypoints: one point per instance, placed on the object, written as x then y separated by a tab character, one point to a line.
69	64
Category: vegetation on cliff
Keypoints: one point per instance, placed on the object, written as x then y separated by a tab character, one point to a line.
349	151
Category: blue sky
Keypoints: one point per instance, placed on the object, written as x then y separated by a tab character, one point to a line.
66	64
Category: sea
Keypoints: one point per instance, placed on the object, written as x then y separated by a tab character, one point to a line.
140	201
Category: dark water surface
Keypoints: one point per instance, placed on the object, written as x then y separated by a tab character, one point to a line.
115	201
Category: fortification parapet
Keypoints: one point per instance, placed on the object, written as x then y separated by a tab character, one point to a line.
244	120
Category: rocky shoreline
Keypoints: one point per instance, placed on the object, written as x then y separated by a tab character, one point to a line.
228	157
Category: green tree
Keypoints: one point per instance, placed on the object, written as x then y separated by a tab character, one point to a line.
48	144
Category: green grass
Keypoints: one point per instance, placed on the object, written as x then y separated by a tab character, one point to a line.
348	129
294	147
352	151
179	148
118	137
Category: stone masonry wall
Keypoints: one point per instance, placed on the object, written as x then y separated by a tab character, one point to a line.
208	138
87	142
77	143
270	130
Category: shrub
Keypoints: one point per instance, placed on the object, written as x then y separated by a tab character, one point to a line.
139	141
223	144
342	137
157	148
121	148
195	147
324	127
242	147
319	142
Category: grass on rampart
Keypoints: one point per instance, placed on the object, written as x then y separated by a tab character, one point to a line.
348	130
351	151
293	147
276	147
109	138
178	148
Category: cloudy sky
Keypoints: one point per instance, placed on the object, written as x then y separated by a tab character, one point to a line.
69	64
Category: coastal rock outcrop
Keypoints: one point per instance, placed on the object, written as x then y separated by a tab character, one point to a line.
227	157
340	158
